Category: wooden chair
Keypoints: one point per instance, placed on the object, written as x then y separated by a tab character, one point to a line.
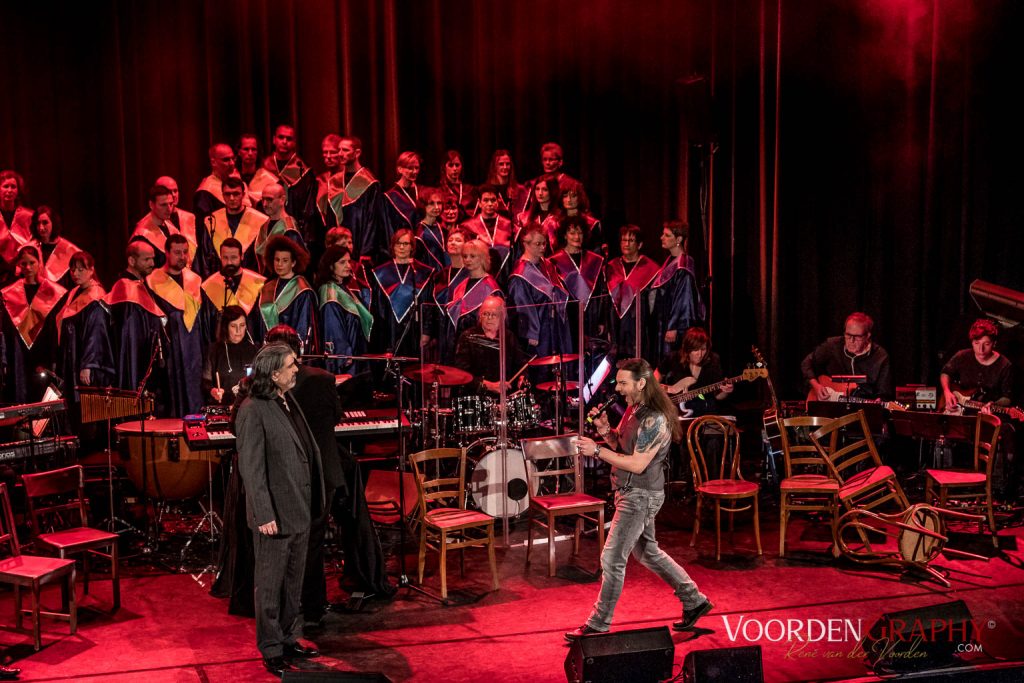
864	482
974	486
556	485
445	523
728	490
59	522
30	571
806	485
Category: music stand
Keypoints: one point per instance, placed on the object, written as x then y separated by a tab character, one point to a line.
874	412
852	382
939	428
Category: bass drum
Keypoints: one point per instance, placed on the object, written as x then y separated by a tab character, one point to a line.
484	479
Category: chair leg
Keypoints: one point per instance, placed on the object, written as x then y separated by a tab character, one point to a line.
718	530
529	538
696	523
17	607
576	537
757	528
991	521
73	611
490	557
115	575
85	572
783	519
928	493
551	545
36	635
443	562
423	552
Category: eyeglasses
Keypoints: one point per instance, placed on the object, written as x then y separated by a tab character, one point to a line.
403	244
855	336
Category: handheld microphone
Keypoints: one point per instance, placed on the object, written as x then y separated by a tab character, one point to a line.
601	408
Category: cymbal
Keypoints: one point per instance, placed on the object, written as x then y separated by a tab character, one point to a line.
442	374
553	386
386	356
555	360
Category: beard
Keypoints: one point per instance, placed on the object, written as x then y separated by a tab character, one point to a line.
229	270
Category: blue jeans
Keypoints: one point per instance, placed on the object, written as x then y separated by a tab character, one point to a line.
632	531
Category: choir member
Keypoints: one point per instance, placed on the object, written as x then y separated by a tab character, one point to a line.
209	197
15	220
249	168
451	214
552	160
430	236
279	222
331	155
228	358
56	250
184	221
397	286
136	320
345	319
353	195
452	183
677	305
536	293
446	279
468	290
627	277
31	304
575	203
177	290
581	273
155	227
83	331
401	205
342	237
494	230
501	175
287	168
541	207
287	297
234	220
232	285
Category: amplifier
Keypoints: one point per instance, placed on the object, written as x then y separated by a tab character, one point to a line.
918	397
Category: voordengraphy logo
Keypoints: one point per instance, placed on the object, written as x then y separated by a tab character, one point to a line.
793	630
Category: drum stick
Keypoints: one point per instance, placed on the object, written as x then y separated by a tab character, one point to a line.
218	378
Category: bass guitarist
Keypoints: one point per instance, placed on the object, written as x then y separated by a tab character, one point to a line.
694	365
854	353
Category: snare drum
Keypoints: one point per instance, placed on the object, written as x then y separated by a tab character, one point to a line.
523	411
160	463
473	415
484	479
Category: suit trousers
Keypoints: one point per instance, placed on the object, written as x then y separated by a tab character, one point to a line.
314	584
280	564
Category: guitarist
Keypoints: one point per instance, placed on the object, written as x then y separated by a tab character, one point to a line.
852	354
980	371
694	365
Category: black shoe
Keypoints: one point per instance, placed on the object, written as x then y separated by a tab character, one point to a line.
277	665
690	617
579	632
296	651
8	673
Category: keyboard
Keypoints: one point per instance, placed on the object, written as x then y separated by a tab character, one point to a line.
354	423
17	451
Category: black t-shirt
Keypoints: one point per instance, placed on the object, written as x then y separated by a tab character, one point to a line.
993	382
674	369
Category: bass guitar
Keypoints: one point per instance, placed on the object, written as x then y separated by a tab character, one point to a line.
748	375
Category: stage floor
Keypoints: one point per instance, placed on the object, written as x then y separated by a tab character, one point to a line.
170	629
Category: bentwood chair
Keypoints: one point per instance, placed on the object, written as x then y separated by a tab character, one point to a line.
556	490
806	486
728	491
445	523
33	572
59	522
849	451
971	487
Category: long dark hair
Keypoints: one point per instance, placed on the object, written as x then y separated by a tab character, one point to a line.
325	269
654	397
269	360
229	315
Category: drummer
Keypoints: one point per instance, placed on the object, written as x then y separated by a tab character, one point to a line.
477	350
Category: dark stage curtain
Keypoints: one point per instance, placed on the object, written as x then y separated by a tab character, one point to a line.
866	153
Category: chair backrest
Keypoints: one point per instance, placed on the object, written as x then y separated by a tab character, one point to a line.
448	487
553	464
8	534
798	451
722	439
382	496
859	450
56	499
986	439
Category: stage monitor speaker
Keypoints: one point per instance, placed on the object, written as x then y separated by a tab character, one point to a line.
334	677
732	664
919	639
637	656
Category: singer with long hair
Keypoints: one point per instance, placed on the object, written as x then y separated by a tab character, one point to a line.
638	452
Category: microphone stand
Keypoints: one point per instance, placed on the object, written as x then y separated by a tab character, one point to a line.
152	536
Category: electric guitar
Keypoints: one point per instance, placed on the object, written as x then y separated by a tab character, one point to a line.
748	375
837	393
964	400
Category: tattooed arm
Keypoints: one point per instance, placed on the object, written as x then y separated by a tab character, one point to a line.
652	436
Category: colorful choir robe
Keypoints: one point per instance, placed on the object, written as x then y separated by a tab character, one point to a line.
289	302
241	290
500	240
465	196
149	231
461	301
57	260
209	197
136	321
217	228
345	323
83	336
511	200
396	291
183	350
13	236
430	245
400	209
300	184
353	200
582	276
626	282
677	304
282	226
539	300
29	337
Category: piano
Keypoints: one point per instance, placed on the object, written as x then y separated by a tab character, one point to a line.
34	452
31	410
204	434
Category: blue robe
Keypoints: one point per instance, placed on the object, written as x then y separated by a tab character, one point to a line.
501	242
431	247
396	295
353	200
677	304
29	338
540	308
294	306
248	285
345	324
183	341
400	209
136	321
583	279
626	294
84	340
